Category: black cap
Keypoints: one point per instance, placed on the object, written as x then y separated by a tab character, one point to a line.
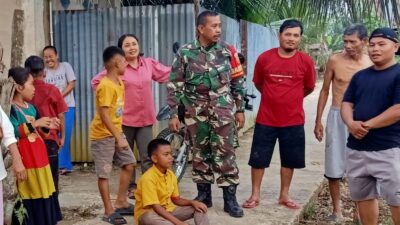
385	32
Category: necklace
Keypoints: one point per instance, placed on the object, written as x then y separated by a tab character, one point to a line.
25	105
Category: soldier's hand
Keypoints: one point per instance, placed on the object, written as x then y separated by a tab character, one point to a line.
1	133
239	117
174	124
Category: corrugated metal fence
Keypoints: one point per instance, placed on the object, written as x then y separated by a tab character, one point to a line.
81	36
231	31
259	39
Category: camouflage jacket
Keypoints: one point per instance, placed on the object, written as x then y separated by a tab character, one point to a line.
202	76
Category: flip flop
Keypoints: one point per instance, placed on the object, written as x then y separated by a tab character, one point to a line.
131	195
65	172
251	203
290	204
115	219
128	211
131	191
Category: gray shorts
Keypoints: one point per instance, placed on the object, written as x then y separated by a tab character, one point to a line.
104	153
335	145
374	173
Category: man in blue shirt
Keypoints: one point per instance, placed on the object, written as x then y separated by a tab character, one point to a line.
371	111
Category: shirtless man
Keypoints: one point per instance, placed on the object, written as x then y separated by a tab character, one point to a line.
340	69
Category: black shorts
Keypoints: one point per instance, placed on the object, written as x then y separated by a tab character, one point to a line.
291	146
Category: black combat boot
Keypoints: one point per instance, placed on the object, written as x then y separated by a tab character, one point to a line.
204	194
231	205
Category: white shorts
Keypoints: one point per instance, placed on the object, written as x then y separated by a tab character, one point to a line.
335	145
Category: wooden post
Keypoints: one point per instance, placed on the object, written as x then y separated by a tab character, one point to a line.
243	42
47	22
196	4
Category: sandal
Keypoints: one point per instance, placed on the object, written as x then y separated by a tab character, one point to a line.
64	172
290	204
251	203
131	194
128	211
115	219
131	190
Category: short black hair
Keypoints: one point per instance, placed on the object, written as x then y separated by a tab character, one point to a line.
35	65
292	23
154	144
357	28
19	74
110	52
123	37
50	47
202	17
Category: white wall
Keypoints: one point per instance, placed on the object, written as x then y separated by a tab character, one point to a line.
7	11
34	34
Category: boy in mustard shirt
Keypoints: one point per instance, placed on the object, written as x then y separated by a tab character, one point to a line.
157	195
107	142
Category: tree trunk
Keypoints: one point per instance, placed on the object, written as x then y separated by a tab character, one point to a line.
17	38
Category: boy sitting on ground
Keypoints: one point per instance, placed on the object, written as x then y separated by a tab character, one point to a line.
157	195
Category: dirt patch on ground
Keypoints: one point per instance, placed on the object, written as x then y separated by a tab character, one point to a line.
319	208
83	212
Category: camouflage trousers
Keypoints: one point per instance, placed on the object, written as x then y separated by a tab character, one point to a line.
212	137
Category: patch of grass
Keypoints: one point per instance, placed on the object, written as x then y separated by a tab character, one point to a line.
355	222
309	210
387	221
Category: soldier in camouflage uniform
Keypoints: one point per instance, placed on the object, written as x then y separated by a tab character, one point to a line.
208	80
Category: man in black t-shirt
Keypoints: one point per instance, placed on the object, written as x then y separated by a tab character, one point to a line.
371	111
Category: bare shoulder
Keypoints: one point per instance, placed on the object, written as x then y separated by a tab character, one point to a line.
366	60
337	57
334	59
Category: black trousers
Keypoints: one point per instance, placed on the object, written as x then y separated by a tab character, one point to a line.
52	152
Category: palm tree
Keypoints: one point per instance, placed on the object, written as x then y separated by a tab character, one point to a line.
317	11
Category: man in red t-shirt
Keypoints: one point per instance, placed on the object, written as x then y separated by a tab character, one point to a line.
49	102
284	76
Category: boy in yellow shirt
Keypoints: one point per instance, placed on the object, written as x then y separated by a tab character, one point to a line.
157	195
107	142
